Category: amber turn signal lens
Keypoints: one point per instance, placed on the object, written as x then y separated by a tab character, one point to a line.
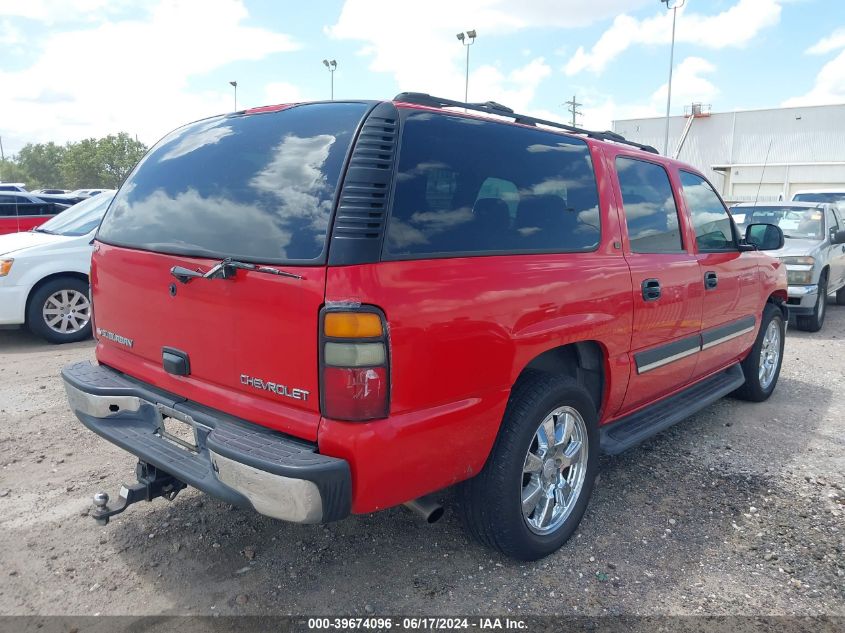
352	325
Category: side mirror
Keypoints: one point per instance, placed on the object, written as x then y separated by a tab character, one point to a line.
765	237
838	237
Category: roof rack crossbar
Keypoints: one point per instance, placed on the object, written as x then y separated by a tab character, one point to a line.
491	107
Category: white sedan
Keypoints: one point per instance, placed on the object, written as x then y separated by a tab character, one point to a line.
44	273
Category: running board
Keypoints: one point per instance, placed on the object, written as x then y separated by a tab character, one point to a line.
639	426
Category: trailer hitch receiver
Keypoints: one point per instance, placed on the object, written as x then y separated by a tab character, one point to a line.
152	483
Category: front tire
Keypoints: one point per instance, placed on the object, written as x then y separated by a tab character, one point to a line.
815	321
532	493
60	311
762	365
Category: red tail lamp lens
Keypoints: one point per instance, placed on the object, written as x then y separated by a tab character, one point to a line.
355	393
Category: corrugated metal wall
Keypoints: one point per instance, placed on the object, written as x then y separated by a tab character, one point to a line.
800	137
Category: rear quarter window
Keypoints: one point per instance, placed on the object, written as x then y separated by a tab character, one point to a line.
467	186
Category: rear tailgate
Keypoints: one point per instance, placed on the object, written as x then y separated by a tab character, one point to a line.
251	340
254	187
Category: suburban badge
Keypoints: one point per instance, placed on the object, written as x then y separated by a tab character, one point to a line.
117	338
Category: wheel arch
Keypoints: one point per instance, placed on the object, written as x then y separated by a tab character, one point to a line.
46	279
585	361
779	299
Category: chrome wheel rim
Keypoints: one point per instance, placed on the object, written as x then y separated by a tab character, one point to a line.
554	470
67	311
769	354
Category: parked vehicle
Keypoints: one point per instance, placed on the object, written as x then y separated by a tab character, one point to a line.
814	254
13	186
831	196
44	274
60	198
51	192
84	194
341	307
23	211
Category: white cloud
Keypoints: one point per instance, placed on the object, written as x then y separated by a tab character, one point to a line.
515	89
829	87
282	92
735	26
832	42
417	46
130	75
688	85
53	11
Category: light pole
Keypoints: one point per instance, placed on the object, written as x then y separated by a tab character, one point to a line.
234	85
674	6
467	39
332	66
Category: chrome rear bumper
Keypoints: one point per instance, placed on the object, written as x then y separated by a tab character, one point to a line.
231	459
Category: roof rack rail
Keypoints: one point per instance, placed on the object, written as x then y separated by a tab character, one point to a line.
491	107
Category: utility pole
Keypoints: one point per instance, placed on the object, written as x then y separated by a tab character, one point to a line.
2	155
573	108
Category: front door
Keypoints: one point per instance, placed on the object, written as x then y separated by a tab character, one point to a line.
731	308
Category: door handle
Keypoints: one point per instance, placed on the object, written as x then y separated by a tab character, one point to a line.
651	290
710	280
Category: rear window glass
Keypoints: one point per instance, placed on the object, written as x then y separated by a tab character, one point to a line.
254	187
468	186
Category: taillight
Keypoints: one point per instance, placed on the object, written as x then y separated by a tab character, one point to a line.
354	364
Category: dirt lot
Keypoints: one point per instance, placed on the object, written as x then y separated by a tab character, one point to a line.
738	510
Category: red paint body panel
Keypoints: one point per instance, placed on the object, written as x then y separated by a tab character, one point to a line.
256	324
22	223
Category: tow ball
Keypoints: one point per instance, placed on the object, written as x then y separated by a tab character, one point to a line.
152	483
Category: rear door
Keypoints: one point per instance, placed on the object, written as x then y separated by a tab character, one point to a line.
258	188
667	294
732	304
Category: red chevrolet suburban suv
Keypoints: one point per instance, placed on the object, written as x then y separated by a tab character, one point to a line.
321	309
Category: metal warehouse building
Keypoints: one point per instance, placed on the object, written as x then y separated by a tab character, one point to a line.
778	151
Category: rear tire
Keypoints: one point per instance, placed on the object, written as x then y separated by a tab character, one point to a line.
840	297
60	311
762	365
553	484
815	321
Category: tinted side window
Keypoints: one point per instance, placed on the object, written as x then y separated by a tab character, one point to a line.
713	226
649	204
471	186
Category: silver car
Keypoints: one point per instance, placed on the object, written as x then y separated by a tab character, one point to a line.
814	253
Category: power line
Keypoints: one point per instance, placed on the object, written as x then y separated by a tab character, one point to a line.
573	109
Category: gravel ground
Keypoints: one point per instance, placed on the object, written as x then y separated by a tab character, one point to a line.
738	510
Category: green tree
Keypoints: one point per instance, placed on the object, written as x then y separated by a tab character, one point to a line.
10	171
80	166
117	156
42	163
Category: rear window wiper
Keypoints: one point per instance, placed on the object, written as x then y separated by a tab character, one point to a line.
226	270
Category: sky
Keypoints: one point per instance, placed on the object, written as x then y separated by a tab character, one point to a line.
73	69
